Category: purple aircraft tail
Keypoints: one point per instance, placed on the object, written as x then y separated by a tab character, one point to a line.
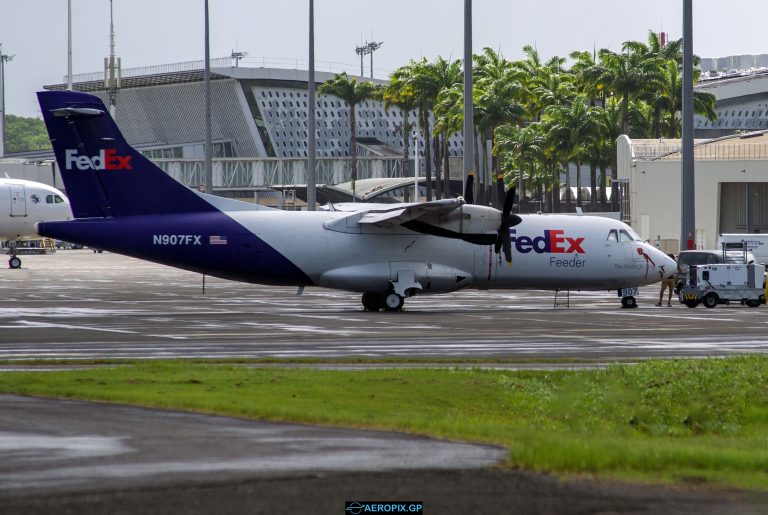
103	175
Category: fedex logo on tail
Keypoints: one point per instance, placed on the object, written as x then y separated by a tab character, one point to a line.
107	159
552	241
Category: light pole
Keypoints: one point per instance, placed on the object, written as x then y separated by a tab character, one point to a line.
368	48
3	59
69	45
311	166
111	67
687	186
415	166
469	124
208	179
237	56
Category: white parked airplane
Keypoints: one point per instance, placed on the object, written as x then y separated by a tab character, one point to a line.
124	203
22	205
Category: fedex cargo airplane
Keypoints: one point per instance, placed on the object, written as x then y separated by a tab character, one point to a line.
386	252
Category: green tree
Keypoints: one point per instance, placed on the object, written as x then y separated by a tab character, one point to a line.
427	80
575	125
628	76
400	95
520	147
25	134
352	92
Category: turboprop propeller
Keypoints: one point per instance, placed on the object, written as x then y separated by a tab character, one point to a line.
503	241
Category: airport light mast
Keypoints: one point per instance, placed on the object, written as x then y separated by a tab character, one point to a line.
3	59
469	125
237	56
111	67
367	48
687	186
311	129
208	152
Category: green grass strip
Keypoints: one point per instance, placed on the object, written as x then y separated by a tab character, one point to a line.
699	421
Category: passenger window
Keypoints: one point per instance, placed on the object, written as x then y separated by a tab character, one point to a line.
49	199
613	236
624	236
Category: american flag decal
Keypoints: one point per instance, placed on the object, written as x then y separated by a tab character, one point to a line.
217	240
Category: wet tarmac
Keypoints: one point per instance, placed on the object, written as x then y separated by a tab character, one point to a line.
77	304
57	445
71	457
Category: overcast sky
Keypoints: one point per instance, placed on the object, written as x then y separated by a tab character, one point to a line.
152	32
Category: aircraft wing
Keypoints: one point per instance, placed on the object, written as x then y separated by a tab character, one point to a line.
410	212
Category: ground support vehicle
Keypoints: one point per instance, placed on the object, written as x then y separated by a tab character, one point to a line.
722	284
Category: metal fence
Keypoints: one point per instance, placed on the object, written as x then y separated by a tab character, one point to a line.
237	173
710	152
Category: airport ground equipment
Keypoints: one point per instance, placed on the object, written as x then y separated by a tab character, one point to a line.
722	284
757	244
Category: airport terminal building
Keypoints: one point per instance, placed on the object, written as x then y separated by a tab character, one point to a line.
256	113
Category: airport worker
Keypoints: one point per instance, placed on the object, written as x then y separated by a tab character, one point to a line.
667	283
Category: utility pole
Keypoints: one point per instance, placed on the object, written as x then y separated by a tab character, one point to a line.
311	171
469	124
688	206
208	179
111	67
69	45
3	59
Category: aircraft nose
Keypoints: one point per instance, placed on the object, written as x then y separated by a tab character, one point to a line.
668	264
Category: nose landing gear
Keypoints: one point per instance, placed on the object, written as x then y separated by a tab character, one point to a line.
14	262
628	302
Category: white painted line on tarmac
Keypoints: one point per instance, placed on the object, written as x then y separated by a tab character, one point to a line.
48	325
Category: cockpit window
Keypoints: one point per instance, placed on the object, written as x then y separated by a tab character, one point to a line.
49	199
57	199
613	235
625	237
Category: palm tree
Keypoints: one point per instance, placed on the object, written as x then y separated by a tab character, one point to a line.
449	119
628	76
575	126
588	75
609	130
449	75
352	93
400	95
497	103
521	146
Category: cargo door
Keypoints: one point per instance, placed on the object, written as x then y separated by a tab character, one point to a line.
18	200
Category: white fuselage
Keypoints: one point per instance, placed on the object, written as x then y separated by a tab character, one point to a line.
24	203
549	252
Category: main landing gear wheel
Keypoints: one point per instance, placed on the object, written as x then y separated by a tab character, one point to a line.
628	302
393	302
373	301
14	262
